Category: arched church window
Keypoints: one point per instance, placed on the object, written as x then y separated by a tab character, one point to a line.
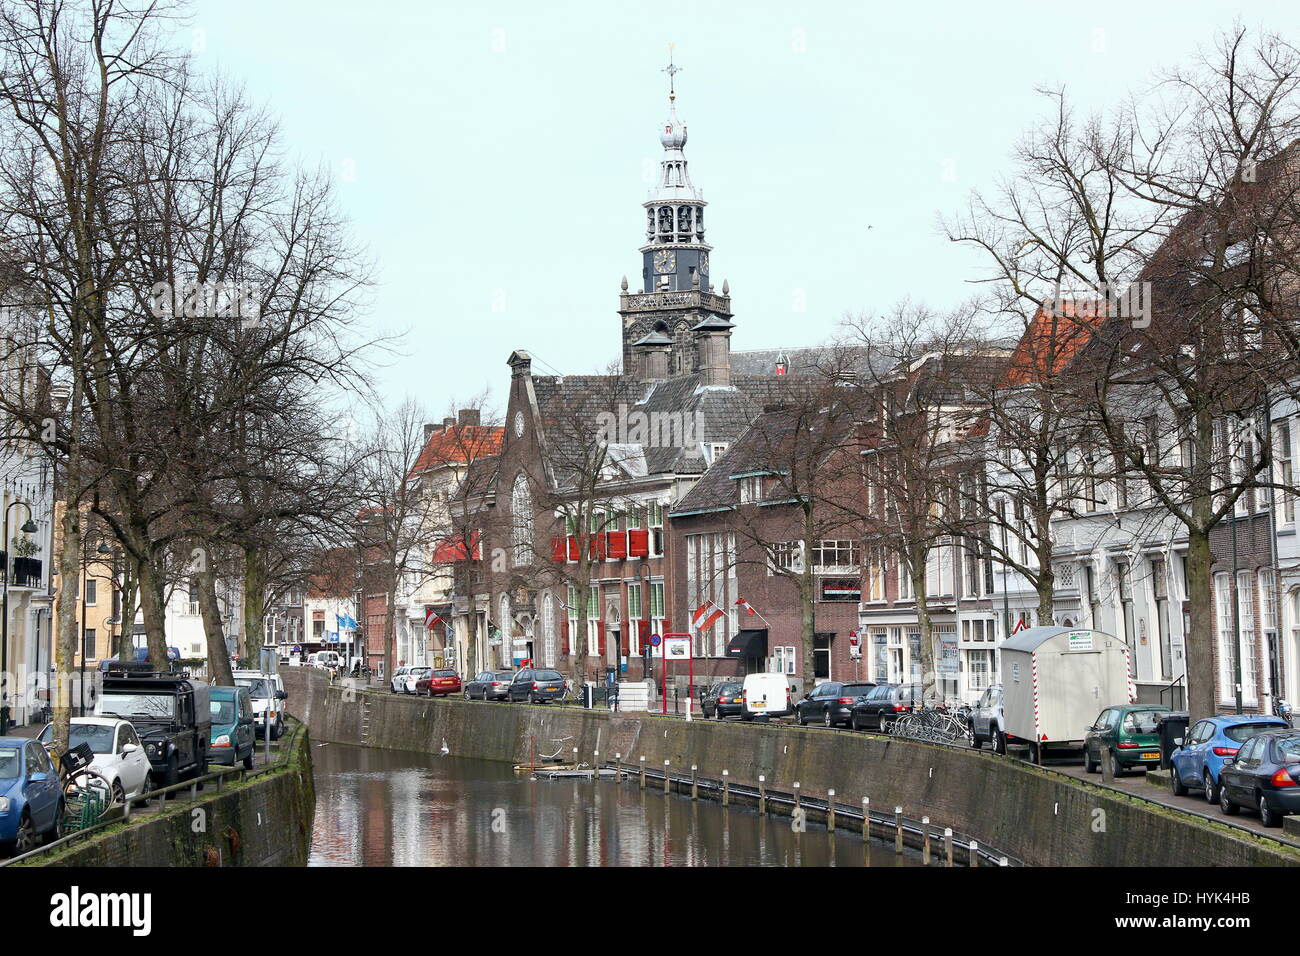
521	520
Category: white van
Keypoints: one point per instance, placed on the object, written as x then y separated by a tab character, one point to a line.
766	695
266	692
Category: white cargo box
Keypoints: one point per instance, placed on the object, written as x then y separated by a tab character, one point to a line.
1056	680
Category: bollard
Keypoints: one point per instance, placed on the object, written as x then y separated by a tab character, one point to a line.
1004	862
762	795
695	784
973	858
925	840
898	829
947	844
796	795
1106	775
866	819
830	811
618	766
642	772
667	778
726	789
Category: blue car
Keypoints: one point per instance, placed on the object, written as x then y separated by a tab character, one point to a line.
1196	765
31	798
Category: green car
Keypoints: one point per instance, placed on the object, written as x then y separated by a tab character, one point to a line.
232	727
1127	736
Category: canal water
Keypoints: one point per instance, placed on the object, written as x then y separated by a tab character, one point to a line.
388	808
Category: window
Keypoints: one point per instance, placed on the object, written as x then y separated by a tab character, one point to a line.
521	520
90	590
1246	614
656	599
905	592
876	574
548	630
1283	468
751	489
786	556
835	556
1267	600
634	611
979	665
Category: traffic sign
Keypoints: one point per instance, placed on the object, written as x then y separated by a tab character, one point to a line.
655	640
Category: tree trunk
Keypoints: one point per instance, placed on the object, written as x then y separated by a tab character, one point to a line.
928	681
254	605
471	632
123	642
153	606
218	656
808	618
1200	639
65	643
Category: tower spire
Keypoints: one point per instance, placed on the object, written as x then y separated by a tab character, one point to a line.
672	70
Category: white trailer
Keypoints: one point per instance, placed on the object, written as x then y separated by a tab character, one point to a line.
1056	680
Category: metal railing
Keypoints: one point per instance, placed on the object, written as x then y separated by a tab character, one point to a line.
122	812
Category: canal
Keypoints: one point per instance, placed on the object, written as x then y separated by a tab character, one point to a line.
391	808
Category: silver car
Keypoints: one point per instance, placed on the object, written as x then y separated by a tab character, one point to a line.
986	720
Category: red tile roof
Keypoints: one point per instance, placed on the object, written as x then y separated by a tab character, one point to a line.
458	445
1050	342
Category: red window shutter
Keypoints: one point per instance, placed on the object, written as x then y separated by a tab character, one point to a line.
564	635
600	638
616	543
575	548
643	629
638	542
558	550
597	547
625	646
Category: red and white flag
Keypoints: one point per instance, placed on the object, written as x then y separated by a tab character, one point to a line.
700	611
746	605
712	618
430	618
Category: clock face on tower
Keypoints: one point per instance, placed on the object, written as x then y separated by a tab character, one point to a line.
665	261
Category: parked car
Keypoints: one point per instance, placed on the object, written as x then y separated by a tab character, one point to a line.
413	676
885	704
1128	736
397	683
721	699
119	755
439	682
489	685
31	799
987	722
537	686
171	714
266	691
765	696
831	702
1199	758
1265	775
233	734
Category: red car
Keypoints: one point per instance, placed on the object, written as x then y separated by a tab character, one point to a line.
439	683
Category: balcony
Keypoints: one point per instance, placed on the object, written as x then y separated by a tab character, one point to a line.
27	573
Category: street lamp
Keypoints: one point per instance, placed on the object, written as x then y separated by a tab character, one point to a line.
29	527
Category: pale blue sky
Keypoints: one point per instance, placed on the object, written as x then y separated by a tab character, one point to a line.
494	156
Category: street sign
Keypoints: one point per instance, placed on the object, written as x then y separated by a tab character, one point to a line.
677	649
655	640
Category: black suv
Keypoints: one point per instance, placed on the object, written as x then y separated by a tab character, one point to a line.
171	714
885	704
831	702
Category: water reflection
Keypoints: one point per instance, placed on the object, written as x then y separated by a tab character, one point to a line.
384	808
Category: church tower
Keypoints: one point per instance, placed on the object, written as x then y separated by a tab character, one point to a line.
677	293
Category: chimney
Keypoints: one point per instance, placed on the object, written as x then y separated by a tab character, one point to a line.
652	352
467	416
447	423
429	429
713	344
521	364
